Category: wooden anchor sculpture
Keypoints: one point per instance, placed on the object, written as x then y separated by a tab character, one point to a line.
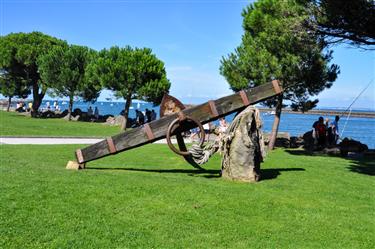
175	119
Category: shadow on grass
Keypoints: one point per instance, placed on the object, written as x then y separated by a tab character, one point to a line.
363	166
359	164
300	152
209	173
268	174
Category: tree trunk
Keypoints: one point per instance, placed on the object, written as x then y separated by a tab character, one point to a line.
276	122
36	104
70	109
126	111
37	99
9	103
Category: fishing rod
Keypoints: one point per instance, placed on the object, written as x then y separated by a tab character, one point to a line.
349	107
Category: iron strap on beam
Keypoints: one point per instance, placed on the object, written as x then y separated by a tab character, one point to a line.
147	129
111	146
213	109
79	156
276	86
245	99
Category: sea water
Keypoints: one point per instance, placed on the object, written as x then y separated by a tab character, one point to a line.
358	128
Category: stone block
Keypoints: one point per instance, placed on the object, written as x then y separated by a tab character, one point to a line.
75	165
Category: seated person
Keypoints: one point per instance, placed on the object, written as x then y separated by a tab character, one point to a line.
320	131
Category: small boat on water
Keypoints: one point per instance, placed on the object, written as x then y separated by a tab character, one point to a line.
270	113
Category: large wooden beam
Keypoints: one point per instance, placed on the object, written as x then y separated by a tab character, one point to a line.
157	129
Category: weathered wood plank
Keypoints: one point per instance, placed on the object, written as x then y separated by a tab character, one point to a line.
157	129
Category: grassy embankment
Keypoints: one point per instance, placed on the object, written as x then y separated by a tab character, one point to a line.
15	124
150	198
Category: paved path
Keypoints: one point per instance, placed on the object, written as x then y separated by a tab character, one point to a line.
56	140
45	140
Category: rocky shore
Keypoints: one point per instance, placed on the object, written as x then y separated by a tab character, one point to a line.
365	114
347	146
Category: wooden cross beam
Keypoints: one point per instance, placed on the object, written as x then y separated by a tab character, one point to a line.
156	130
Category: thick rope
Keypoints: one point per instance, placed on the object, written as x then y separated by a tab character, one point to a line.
201	155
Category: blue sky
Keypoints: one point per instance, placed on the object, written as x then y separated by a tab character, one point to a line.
190	36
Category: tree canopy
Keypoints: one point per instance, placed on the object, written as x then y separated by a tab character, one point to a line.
12	86
344	21
64	68
277	45
304	104
19	53
131	73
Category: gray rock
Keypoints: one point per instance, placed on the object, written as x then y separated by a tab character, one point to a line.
243	147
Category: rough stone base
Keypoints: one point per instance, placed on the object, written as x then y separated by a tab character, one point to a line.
246	175
243	148
75	165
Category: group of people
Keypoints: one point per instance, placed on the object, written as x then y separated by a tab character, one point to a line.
326	133
94	113
147	117
55	107
21	107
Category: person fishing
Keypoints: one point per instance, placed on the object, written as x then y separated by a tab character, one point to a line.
335	130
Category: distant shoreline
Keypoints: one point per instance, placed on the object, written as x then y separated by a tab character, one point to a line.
323	112
359	114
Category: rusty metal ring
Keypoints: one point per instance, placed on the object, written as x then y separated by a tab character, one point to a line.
171	130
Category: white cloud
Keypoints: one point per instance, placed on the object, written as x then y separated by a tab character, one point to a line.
194	84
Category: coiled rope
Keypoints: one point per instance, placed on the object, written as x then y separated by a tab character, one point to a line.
201	155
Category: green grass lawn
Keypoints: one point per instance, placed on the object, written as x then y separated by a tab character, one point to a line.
15	124
150	198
